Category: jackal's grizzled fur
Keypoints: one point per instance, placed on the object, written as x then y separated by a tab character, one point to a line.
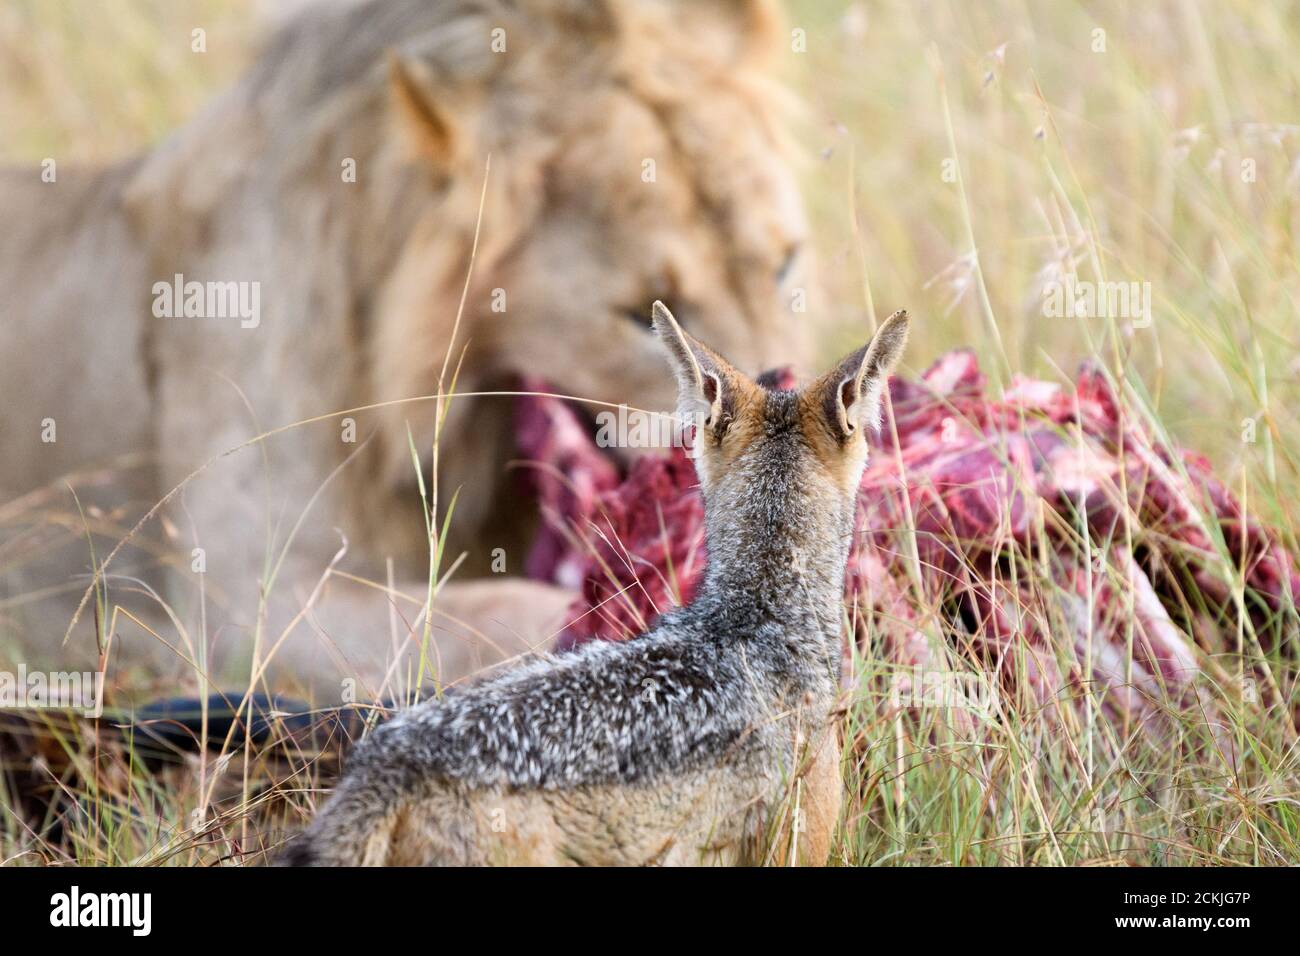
679	746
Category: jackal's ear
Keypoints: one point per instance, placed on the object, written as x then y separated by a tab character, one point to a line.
850	393
707	385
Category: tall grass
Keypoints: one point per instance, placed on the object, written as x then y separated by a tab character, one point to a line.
1127	164
984	149
962	155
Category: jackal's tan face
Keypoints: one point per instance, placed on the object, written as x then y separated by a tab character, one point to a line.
746	435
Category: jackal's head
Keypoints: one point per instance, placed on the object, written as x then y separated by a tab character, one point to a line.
782	461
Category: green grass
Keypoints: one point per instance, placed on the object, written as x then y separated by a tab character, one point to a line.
1058	784
1166	159
947	174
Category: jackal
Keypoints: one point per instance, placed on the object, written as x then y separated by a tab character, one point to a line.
684	745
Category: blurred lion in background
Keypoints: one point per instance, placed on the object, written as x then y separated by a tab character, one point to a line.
327	210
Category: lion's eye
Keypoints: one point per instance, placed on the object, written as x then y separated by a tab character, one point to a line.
640	314
783	272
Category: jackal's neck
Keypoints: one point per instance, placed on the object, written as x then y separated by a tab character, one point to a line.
777	553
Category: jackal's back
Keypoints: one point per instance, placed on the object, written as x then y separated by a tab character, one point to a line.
618	753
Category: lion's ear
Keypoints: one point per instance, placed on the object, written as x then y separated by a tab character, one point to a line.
761	24
752	29
428	126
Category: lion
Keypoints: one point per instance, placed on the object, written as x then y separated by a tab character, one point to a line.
248	322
